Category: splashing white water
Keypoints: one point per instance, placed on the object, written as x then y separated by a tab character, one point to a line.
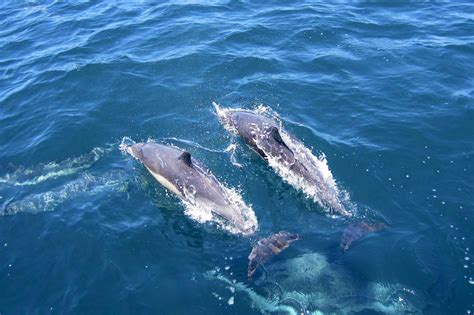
325	191
322	188
231	149
52	170
203	212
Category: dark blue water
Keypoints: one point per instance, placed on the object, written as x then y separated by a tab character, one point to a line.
385	91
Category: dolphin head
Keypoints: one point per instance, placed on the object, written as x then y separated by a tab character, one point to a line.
136	150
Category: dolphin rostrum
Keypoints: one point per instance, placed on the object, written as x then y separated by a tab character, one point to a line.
192	182
286	155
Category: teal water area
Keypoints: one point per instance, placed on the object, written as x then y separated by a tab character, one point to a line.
384	91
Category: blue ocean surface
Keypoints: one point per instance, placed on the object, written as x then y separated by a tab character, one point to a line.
382	91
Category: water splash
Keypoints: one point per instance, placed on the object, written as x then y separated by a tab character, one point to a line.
325	192
231	149
203	212
260	302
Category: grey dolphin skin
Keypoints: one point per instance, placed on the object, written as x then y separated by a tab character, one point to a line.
265	136
268	247
357	230
191	181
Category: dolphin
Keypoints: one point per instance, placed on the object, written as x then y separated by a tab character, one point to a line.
285	154
192	182
356	230
268	247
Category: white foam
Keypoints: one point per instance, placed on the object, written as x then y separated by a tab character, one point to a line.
223	117
325	192
231	149
202	212
125	144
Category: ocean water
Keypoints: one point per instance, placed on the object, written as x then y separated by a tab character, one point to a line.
383	91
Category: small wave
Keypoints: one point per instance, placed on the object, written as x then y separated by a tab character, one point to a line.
326	192
203	213
86	184
52	170
125	144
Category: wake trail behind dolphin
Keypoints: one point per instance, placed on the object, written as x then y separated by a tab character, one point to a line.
52	170
86	184
83	183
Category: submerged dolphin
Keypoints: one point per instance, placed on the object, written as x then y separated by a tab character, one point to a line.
287	155
357	230
191	181
268	247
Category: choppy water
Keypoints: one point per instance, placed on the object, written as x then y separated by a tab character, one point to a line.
385	91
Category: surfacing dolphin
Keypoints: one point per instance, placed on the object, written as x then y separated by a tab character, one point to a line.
286	155
191	181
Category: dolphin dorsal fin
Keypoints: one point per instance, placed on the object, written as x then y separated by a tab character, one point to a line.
186	158
276	135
